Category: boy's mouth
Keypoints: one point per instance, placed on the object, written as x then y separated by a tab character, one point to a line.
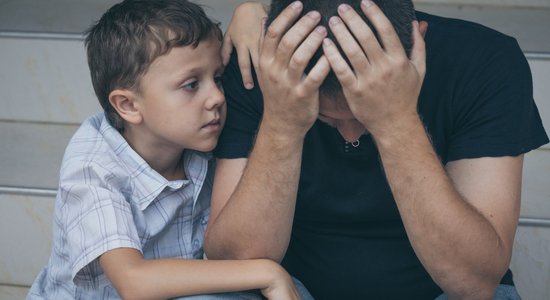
213	125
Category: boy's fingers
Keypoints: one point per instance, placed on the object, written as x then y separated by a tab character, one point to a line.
244	66
418	53
227	48
338	64
279	26
302	56
296	34
389	38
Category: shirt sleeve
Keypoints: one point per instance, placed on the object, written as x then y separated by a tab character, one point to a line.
494	110
94	218
244	112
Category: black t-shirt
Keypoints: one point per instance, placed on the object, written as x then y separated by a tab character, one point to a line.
348	240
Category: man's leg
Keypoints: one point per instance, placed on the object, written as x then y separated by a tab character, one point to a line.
249	295
503	292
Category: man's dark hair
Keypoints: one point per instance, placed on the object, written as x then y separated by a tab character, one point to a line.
132	34
400	13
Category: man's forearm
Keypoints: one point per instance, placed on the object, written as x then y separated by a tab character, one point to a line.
457	245
257	220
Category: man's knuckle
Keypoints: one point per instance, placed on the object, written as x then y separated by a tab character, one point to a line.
272	32
287	43
298	60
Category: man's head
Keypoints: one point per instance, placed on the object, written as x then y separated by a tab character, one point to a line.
400	13
131	35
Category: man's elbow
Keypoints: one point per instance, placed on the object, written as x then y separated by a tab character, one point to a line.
475	287
480	291
215	248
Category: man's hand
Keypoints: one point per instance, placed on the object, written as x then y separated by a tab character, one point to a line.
291	99
382	84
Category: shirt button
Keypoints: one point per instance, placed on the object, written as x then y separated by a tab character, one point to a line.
196	244
204	220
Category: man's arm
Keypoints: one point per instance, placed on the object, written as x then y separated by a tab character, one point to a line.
252	218
461	224
253	201
461	221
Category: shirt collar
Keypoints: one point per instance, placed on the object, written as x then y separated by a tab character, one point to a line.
147	184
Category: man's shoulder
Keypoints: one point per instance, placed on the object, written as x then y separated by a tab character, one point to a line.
457	36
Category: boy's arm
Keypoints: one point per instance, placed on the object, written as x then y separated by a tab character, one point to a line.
243	33
134	277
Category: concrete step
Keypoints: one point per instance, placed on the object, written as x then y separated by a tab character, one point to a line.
46	93
8	292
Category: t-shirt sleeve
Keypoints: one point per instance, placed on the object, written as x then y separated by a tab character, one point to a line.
494	111
94	219
244	112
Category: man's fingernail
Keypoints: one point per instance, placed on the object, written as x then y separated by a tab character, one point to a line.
297	5
315	15
334	20
321	30
344	7
366	3
327	42
248	85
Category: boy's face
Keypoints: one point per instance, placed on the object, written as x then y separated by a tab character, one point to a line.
181	100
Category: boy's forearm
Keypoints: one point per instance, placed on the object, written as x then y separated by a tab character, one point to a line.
137	278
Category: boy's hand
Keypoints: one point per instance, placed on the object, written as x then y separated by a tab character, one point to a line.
243	33
291	99
382	85
281	286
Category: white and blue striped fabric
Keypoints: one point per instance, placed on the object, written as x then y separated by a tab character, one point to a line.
109	198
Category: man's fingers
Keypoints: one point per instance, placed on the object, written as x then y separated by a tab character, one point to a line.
423	27
279	26
352	50
418	53
389	38
361	31
295	35
302	56
317	75
338	64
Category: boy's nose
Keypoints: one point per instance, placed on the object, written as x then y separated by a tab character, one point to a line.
216	98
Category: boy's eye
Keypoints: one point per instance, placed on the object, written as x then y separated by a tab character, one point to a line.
218	80
190	85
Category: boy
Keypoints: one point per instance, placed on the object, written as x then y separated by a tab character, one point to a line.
135	183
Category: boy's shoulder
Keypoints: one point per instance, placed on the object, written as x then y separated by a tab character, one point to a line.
95	141
96	151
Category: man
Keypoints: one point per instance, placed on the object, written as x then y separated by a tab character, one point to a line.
386	185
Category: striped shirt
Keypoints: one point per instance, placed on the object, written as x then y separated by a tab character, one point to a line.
109	198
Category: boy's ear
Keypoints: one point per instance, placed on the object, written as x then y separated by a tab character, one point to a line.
125	103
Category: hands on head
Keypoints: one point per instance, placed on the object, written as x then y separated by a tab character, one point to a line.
380	83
